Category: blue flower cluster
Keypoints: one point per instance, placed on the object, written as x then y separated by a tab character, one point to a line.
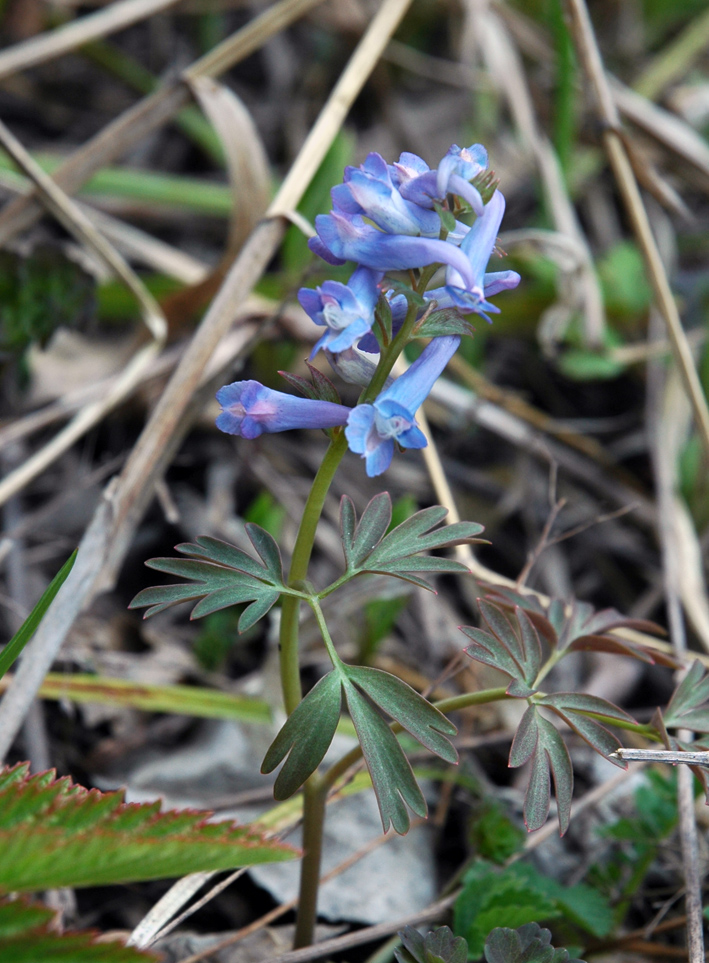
385	217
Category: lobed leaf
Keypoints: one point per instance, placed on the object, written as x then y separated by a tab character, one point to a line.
53	833
514	649
29	934
370	530
425	723
392	777
538	740
306	736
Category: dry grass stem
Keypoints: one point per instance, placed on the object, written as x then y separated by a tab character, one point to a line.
47	46
627	184
147	115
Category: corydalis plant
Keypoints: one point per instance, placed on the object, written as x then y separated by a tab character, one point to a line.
524	640
403	217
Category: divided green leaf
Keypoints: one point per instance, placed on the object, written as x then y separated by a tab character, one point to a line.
306	736
368	548
538	740
425	723
53	833
511	647
220	575
28	934
578	711
689	706
392	777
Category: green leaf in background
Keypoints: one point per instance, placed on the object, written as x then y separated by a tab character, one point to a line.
29	934
492	898
527	944
221	575
392	777
520	894
29	626
494	835
265	511
510	647
538	740
306	736
53	833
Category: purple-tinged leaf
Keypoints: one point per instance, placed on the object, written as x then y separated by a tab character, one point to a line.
221	553
527	944
392	777
538	739
512	648
408	708
444	322
578	628
577	710
305	737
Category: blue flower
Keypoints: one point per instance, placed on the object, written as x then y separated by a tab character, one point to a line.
347	237
372	429
477	246
346	310
250	408
369	190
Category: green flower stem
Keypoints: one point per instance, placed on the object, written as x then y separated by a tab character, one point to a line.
314	799
290	607
316	788
325	632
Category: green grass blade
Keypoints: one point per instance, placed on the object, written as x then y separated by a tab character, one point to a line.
29	626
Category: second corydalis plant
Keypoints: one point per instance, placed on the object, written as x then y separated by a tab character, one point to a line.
510	640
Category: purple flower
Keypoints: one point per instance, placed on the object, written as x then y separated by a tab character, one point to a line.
347	237
372	429
249	409
369	190
346	310
478	245
421	185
